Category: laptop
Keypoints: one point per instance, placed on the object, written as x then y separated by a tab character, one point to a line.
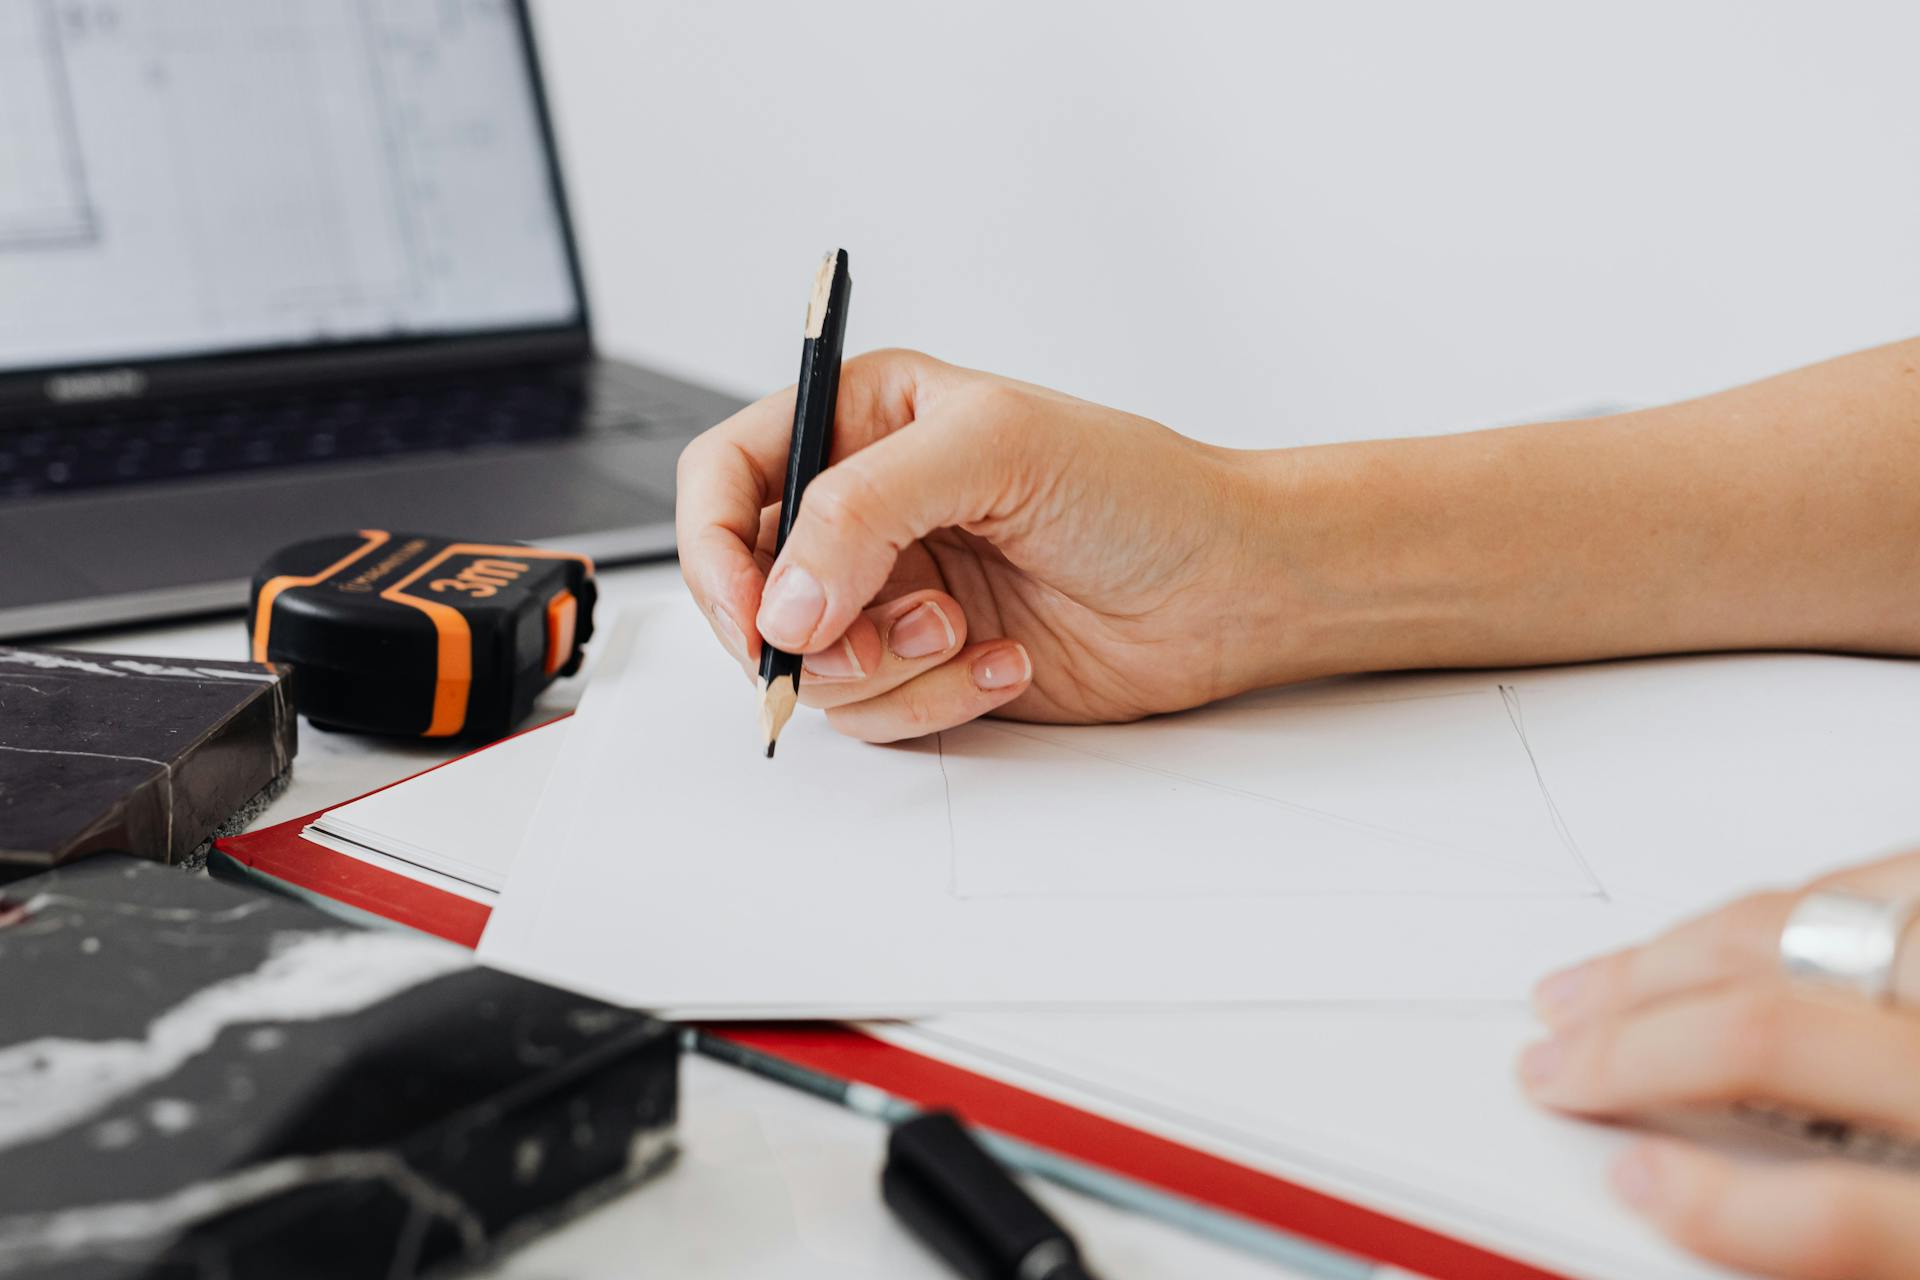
271	271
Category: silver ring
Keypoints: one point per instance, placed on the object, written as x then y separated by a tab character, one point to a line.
1847	940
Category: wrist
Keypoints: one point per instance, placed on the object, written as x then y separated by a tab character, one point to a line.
1353	562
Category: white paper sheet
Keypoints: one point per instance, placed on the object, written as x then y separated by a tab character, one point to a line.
1413	837
457	827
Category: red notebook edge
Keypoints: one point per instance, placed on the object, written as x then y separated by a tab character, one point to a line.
283	859
287	860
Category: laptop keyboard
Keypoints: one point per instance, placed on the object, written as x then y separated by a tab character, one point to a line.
130	445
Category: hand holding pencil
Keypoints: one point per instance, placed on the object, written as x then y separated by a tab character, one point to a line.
979	546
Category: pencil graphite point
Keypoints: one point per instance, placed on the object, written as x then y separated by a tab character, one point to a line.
777	700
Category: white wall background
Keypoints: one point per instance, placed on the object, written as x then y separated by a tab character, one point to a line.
1258	223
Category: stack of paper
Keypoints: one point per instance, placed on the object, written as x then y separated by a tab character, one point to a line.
457	827
1392	838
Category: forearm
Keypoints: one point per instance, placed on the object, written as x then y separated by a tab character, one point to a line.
1784	514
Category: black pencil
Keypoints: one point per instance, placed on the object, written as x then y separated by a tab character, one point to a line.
826	339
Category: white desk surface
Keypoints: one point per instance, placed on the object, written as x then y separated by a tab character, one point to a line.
770	1182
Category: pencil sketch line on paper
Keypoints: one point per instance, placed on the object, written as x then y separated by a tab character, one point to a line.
946	793
1510	696
1379	830
1241	892
1591	886
1308	811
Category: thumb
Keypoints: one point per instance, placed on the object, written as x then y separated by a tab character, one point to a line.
957	465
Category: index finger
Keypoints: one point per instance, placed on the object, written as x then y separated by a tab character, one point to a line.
1760	1042
730	473
1737	942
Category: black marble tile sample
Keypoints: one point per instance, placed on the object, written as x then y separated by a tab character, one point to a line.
147	756
203	1080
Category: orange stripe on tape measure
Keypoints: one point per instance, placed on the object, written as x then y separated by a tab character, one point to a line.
453	678
271	589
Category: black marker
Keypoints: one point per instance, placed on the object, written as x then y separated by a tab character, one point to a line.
813	403
958	1199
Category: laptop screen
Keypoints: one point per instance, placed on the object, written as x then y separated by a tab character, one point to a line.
192	177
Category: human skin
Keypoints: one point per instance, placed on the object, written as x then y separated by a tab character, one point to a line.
985	547
1085	564
1702	1017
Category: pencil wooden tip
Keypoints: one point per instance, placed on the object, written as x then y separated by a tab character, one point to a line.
822	290
777	701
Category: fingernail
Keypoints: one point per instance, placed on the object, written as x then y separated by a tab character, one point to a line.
1559	993
730	634
792	607
837	663
1542	1061
1636	1176
922	633
1001	667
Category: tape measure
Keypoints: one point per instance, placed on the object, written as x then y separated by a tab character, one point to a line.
406	633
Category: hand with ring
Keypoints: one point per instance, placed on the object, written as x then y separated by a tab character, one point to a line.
1804	1000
